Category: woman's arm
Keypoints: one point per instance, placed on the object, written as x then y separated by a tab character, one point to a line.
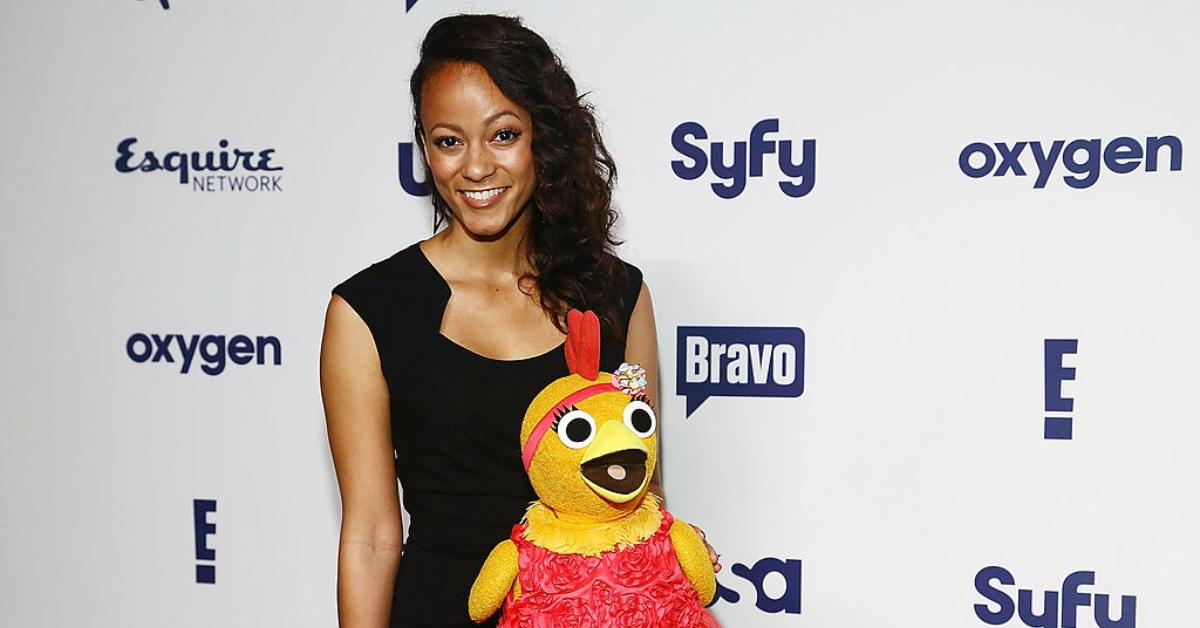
357	416
641	346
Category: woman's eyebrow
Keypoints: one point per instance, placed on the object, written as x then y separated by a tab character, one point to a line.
499	115
492	118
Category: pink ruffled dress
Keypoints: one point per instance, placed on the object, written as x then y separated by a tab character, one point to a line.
639	587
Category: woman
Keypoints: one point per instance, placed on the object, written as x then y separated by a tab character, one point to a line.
435	352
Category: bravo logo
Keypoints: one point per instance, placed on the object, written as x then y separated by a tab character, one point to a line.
214	351
738	362
776	585
1083	159
1058	608
745	160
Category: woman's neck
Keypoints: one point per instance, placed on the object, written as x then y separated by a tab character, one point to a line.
464	255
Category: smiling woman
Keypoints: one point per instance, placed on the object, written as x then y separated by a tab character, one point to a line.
431	356
494	108
483	167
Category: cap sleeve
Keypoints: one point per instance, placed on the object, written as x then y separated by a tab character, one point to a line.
363	291
401	299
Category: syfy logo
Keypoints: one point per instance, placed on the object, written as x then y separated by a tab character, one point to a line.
1122	155
1060	425
1000	607
738	362
213	350
187	164
782	576
408	170
745	160
206	570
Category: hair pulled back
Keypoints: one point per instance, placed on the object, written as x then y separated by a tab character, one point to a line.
571	239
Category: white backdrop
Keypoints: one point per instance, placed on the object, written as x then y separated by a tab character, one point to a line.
915	457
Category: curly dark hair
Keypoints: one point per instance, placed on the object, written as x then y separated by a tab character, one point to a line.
570	240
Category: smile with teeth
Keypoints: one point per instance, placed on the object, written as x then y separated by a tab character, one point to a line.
483	198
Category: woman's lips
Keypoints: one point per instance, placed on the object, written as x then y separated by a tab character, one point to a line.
482	199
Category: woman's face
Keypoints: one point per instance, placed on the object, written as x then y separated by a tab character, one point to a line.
479	147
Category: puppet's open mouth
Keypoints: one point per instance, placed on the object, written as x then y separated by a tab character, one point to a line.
621	472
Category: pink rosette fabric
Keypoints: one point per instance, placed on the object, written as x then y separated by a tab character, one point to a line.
638	587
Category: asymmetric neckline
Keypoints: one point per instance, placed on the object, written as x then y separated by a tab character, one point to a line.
446	294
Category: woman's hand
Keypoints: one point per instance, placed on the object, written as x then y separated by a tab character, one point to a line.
712	553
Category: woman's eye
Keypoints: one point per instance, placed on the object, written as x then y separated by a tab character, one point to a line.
507	135
446	141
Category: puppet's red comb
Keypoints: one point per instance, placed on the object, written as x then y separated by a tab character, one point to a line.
583	344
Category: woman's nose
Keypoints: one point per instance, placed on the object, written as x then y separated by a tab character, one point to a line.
479	164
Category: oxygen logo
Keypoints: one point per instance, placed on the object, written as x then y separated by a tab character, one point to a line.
1060	425
1121	155
186	165
1001	608
782	577
745	160
214	351
408	170
738	362
206	570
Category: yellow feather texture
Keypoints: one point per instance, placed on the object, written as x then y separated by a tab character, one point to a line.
547	530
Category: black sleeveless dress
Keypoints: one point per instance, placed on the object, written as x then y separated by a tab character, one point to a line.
456	420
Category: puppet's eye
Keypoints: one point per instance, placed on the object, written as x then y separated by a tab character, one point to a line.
640	418
576	429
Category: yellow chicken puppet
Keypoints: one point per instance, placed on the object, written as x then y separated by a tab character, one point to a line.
595	549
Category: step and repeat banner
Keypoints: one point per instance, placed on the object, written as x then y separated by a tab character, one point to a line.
925	277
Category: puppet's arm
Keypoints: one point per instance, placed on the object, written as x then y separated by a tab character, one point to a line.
494	581
693	558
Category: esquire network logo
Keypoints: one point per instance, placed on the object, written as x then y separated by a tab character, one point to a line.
778	594
243	170
214	350
738	362
735	165
1059	609
1083	159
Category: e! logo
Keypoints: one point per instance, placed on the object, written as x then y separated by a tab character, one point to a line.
206	572
1059	426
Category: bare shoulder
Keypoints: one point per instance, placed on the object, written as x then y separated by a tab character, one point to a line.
357	415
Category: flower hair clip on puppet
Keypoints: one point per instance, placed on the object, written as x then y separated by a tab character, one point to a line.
596	548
